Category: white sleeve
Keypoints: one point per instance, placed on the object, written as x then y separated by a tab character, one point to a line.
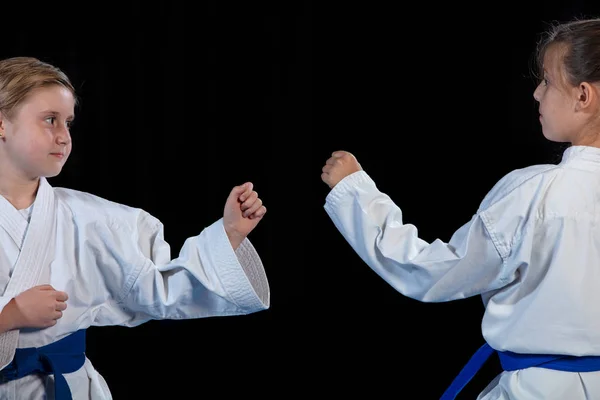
469	264
207	278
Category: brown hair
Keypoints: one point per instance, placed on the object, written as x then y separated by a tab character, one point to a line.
580	40
19	76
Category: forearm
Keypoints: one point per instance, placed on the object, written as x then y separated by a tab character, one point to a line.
373	226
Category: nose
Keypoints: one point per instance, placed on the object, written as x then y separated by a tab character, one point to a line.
536	92
63	135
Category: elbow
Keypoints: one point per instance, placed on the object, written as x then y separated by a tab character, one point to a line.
422	284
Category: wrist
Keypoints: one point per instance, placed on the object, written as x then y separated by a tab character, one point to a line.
235	238
8	320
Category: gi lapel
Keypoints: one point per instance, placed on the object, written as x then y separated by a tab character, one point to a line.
36	254
12	222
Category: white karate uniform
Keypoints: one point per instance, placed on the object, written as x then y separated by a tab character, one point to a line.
117	269
532	251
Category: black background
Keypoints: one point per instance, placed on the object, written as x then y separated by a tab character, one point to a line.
181	102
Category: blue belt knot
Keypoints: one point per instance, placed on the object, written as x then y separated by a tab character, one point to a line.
61	357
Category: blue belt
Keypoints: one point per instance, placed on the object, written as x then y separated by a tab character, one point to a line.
512	361
61	357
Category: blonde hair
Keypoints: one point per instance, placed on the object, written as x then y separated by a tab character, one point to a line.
19	76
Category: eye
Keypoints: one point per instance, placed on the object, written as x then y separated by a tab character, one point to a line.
50	120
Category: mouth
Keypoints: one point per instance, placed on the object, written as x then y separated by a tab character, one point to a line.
58	155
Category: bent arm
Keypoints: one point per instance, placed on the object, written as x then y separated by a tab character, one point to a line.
372	224
207	278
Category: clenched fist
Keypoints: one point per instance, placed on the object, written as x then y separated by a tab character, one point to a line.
243	211
38	307
338	166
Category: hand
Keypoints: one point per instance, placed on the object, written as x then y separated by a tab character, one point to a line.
338	166
243	211
38	307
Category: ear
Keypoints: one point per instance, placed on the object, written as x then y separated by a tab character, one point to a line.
587	96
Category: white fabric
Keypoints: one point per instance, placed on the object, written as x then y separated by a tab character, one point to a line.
26	213
35	251
532	251
113	262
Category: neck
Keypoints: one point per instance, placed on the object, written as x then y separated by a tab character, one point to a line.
588	135
20	193
587	141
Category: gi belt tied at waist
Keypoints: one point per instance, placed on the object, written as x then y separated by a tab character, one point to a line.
512	361
61	357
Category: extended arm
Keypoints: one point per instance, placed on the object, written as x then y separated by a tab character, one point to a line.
372	223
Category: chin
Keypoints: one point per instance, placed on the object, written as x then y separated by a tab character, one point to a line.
51	174
554	137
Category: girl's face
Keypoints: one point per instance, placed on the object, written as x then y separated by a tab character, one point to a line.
567	113
557	100
36	141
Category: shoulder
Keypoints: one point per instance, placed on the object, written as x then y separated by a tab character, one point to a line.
89	201
518	181
88	206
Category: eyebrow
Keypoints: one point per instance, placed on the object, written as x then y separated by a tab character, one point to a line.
71	117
